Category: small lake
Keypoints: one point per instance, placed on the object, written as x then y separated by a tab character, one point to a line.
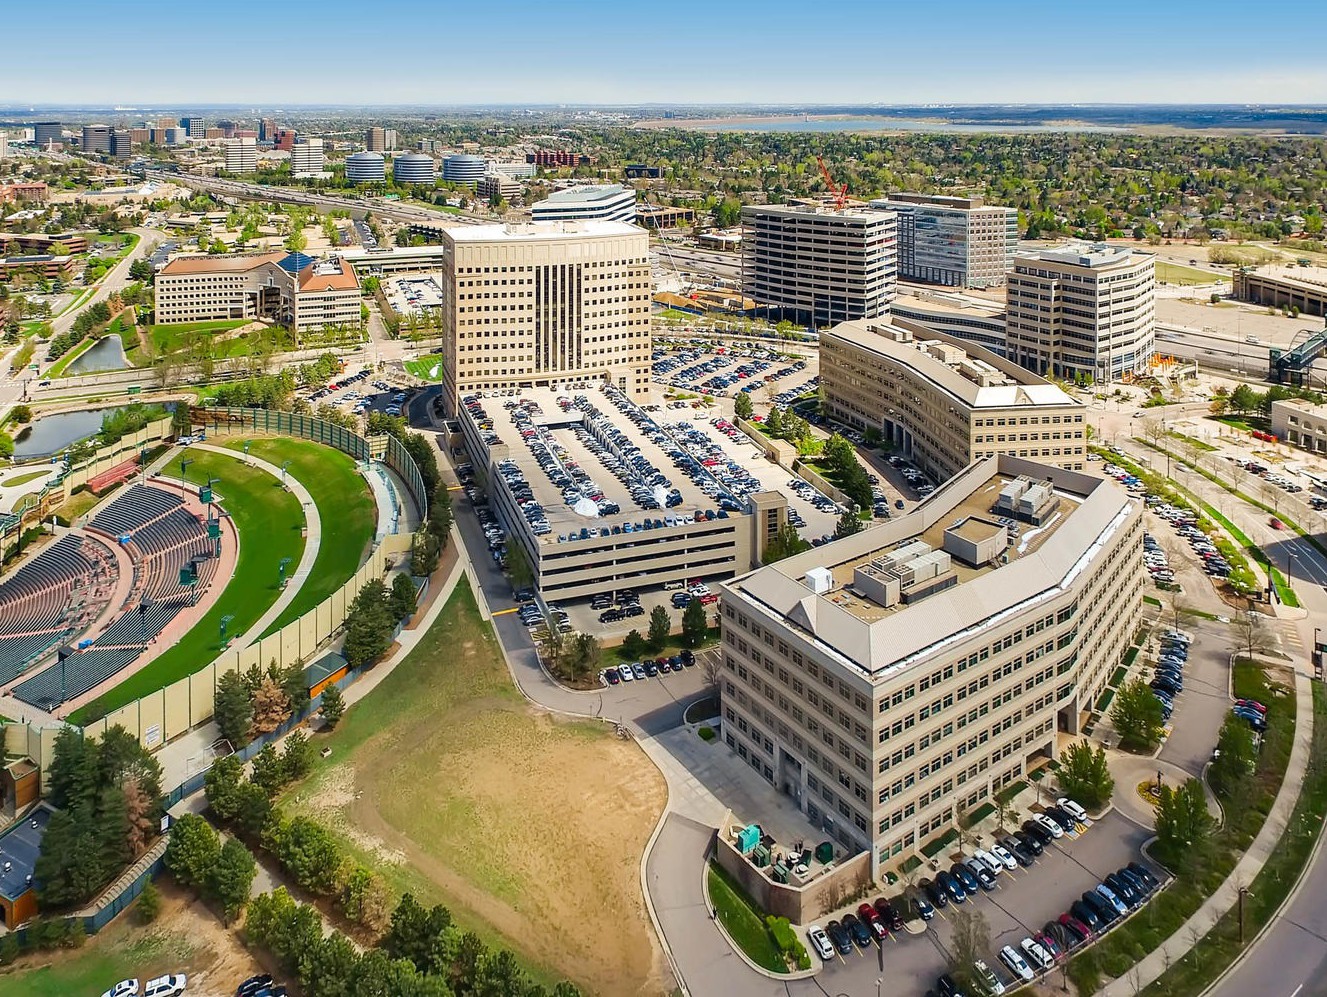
108	354
52	433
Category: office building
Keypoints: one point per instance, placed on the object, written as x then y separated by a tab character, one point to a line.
1082	311
390	139
956	241
819	265
122	143
974	320
603	202
307	157
241	155
267	130
228	128
559	158
464	168
518	171
375	139
494	185
139	136
366	167
1300	287
4	145
285	139
545	303
214	134
194	127
414	167
96	139
943	403
286	288
48	133
1301	424
892	682
34	193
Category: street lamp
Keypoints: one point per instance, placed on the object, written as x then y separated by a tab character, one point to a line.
281	572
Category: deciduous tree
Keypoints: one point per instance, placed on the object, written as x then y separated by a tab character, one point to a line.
1084	775
1137	716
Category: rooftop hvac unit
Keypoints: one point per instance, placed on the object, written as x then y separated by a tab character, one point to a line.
819	581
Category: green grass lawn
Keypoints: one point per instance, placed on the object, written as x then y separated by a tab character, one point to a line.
424	367
345	507
1177	273
745	925
23	479
99	966
268	519
170	338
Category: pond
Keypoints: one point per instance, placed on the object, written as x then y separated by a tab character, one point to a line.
52	433
108	354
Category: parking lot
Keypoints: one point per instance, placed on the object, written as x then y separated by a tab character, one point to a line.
354	391
727	371
1023	901
415	294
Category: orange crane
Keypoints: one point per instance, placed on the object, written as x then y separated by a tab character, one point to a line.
837	191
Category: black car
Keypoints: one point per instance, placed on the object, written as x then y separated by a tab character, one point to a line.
1072	932
1030	844
953	887
948	988
1166	685
1145	874
893	921
1015	848
936	893
1135	881
1088	915
1123	889
1061	817
1034	830
1106	911
688	658
858	929
966	877
253	984
838	934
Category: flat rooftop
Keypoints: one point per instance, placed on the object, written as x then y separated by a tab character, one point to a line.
587	194
542	231
910	297
878	641
1098	255
1306	278
561	516
20	845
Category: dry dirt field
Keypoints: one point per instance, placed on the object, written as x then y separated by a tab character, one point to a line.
528	827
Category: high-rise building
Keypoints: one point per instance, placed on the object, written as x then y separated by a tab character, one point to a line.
96	138
122	143
389	139
558	157
464	168
366	167
140	136
194	127
1082	310
892	682
267	130
545	303
307	156
943	403
414	167
957	241
608	202
493	185
241	155
285	140
4	145
375	139
228	128
818	264
46	133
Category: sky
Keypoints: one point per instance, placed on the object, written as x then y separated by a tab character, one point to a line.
682	52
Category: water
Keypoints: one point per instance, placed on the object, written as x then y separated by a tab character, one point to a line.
52	433
108	354
878	124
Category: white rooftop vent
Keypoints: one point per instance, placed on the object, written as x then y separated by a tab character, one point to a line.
819	580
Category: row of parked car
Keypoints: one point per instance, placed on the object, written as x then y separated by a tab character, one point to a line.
261	985
647	668
623	457
163	986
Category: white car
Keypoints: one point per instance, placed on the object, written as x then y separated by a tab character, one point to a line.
1036	954
987	980
1016	964
165	986
993	865
820	942
125	988
1072	809
1005	856
1051	828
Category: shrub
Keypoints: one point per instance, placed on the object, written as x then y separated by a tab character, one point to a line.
787	941
707	734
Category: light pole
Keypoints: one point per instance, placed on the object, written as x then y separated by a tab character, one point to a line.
281	572
225	622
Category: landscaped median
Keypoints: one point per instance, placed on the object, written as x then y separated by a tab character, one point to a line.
769	942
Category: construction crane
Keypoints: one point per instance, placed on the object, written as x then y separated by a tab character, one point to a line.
838	192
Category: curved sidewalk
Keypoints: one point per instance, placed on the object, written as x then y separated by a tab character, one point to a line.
1250	864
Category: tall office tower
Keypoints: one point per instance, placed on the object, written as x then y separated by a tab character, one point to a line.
389	138
545	303
122	143
47	133
610	202
307	156
266	130
194	127
957	241
1082	310
97	138
241	155
817	264
375	139
4	145
464	168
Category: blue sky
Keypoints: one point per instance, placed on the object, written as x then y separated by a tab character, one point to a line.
686	51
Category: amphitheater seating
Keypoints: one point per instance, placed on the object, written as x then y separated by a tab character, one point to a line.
140	626
83	671
138	506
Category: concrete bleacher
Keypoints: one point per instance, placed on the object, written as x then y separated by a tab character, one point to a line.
137	507
81	672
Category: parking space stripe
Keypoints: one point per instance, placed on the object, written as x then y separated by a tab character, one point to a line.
504	612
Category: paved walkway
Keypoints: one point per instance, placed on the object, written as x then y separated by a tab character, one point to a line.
1215	907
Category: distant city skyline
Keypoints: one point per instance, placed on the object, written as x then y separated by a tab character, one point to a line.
417	52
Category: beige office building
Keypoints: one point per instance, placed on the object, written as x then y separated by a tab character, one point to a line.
812	264
891	682
545	304
1301	424
1082	310
241	155
944	403
956	241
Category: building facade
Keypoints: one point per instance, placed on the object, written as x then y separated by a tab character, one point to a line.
326	296
194	127
241	155
819	265
602	202
96	139
1083	311
414	167
46	133
972	320
366	167
944	403
494	184
1301	424
307	156
1284	287
122	143
464	168
892	682
543	304
956	241
375	139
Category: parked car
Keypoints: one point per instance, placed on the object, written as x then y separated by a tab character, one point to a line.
1031	844
986	981
125	988
1113	899
1088	915
1072	809
1076	926
1020	851
1005	856
1016	964
888	915
820	942
1036	954
948	986
838	934
1145	874
165	986
925	910
860	933
1104	909
952	886
1049	825
872	920
967	876
936	893
978	868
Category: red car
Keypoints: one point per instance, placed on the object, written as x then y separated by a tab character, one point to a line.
867	913
1252	704
888	914
707	600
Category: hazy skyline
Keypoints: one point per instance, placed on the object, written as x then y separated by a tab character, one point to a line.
418	52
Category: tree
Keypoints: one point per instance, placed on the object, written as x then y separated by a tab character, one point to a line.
328	967
661	627
774	423
296	241
425	551
420	935
271	706
1250	633
633	644
1137	716
269	772
1234	759
149	903
848	524
296	756
308	851
1084	775
233	709
334	705
231	877
787	542
742	406
193	850
1183	824
695	624
364	899
402	597
728	212
970	941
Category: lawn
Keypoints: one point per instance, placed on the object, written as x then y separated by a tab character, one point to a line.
268	519
450	784
1177	273
345	507
23	479
176	338
428	368
743	922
